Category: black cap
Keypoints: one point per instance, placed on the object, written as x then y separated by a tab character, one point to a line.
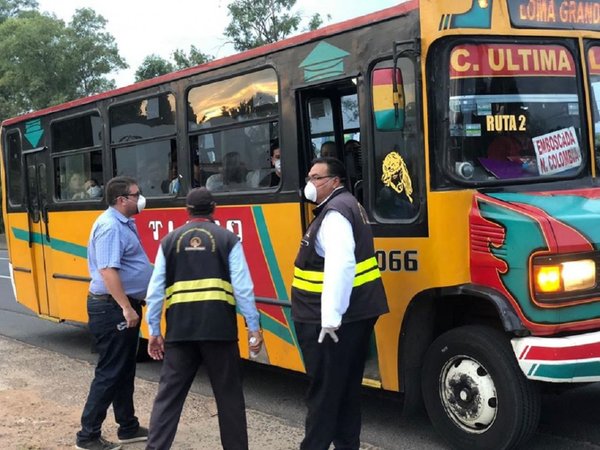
200	201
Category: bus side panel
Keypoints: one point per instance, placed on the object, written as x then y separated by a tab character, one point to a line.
270	235
279	233
67	259
22	258
412	265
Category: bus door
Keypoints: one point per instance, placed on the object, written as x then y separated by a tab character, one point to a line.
330	126
38	227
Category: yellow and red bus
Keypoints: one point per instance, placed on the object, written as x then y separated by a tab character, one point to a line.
471	133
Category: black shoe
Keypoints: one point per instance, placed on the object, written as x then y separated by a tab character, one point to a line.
98	444
140	435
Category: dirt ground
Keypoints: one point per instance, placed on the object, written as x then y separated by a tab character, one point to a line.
42	394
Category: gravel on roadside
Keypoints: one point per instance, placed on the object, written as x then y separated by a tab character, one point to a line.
42	394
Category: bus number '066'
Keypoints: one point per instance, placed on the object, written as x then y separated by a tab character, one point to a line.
397	260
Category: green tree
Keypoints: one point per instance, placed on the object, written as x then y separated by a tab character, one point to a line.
95	52
12	8
194	58
33	51
153	66
258	22
45	62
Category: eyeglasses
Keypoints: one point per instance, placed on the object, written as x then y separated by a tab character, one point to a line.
317	177
136	194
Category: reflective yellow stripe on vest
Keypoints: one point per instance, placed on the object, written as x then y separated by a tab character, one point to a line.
312	280
199	290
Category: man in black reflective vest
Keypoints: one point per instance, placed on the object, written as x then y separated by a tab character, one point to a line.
201	272
337	296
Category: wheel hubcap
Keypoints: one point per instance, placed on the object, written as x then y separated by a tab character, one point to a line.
468	394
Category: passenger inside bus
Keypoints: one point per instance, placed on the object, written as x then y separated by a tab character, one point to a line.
273	178
232	176
93	188
328	149
75	189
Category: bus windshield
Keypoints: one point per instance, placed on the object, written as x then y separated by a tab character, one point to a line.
513	113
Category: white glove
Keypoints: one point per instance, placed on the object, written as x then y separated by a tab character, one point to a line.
330	331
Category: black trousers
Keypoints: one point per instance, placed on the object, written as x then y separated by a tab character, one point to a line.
335	372
181	362
115	372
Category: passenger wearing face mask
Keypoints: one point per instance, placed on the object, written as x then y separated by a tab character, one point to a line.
92	189
337	296
274	177
120	272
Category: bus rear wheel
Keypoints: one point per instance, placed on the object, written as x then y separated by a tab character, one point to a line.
475	393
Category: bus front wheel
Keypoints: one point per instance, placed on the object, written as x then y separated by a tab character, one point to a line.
474	391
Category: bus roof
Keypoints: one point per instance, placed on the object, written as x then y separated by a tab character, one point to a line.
293	41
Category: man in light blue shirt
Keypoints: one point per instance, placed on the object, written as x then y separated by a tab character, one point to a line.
120	272
200	276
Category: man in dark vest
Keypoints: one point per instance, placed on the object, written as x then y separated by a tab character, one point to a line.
201	273
337	296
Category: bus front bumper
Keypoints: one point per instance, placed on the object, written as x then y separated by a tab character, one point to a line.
569	359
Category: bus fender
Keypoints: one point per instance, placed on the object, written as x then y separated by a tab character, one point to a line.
507	315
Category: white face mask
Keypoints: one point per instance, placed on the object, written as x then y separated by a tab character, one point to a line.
141	203
310	192
94	191
278	165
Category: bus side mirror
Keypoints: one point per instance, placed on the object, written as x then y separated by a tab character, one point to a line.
388	99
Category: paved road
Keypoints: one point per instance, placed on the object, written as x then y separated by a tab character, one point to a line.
569	420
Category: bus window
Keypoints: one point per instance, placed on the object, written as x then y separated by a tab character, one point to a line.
333	122
247	97
594	68
398	151
152	164
77	154
322	133
14	171
144	144
228	152
234	159
352	148
502	121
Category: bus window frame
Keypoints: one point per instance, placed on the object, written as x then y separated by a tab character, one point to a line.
142	95
110	147
231	73
588	44
416	225
438	62
22	204
55	155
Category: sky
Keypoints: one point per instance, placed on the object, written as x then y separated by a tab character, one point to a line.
144	27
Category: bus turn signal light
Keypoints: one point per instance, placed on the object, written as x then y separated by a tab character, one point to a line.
547	279
565	277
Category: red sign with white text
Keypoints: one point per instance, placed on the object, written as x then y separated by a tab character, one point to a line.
501	60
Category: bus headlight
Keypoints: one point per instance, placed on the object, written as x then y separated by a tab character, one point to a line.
565	276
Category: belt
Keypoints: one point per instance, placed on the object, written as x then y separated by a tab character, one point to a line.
108	298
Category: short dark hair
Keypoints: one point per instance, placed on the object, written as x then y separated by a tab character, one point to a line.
335	167
274	146
118	187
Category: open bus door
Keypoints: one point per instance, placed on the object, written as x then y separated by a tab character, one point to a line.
330	114
329	119
39	233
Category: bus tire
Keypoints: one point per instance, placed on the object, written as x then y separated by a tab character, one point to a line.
475	393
